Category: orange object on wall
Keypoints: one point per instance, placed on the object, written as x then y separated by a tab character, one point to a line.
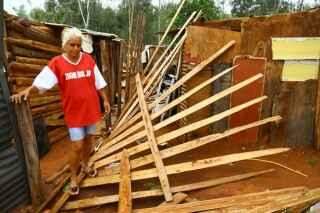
248	67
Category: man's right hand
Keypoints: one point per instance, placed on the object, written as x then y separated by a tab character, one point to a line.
23	95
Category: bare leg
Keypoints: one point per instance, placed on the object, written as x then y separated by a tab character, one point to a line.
86	151
74	160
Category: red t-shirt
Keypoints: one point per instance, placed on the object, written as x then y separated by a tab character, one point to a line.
78	90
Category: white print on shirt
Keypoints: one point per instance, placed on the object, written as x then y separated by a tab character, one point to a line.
78	74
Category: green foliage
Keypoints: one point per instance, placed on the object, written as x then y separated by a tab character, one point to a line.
241	8
21	11
209	10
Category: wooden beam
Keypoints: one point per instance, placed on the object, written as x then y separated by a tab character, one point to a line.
165	34
190	74
219	203
178	149
157	192
125	130
125	200
177	198
34	45
28	60
164	181
181	131
29	142
185	167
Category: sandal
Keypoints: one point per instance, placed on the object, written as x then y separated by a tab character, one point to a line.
73	188
89	170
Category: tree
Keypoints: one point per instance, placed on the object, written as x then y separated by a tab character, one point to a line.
209	10
21	11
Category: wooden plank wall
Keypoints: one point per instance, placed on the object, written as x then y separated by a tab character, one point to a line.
201	42
294	101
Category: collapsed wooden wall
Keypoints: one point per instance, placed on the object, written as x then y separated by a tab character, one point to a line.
202	42
294	101
30	45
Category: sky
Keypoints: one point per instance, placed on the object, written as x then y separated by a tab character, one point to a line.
29	4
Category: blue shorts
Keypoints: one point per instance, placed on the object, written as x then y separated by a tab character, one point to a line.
79	133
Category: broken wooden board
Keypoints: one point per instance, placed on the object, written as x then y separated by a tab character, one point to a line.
125	199
184	167
296	48
84	203
248	66
152	141
246	200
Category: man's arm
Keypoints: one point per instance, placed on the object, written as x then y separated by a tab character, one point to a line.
105	99
17	98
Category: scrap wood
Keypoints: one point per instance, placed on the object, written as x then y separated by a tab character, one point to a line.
185	166
119	128
246	200
187	146
155	115
33	45
153	144
181	131
165	34
52	194
176	199
158	192
282	166
127	110
125	200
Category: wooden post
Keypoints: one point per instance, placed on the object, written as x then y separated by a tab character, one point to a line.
153	142
30	149
125	199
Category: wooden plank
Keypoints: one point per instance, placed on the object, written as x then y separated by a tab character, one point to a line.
296	48
317	116
193	144
164	181
155	115
107	149
29	142
177	198
52	194
185	167
219	203
193	72
29	60
125	200
34	45
301	70
176	133
65	196
248	66
165	34
157	192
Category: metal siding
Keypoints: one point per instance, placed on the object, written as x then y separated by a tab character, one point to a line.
13	181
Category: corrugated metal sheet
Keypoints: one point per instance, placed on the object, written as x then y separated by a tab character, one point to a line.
13	181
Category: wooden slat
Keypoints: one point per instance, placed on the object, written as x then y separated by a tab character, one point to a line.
125	200
137	125
193	144
157	192
190	74
185	167
177	198
34	45
164	181
218	203
176	133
